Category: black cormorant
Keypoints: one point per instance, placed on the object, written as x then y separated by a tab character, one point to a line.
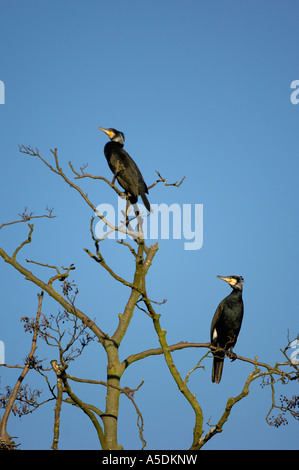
226	324
124	168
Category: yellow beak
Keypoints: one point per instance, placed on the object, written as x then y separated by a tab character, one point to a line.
108	132
227	279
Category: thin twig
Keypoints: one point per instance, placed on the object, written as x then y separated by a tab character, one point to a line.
26	217
163	180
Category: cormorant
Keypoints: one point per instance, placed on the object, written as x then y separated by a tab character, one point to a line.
124	168
226	324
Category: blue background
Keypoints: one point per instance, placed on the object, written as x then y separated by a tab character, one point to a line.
201	89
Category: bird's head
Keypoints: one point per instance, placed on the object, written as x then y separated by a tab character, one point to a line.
114	135
236	282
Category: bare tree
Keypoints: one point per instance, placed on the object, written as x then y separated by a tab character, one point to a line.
71	330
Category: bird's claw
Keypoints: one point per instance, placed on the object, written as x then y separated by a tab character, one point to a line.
232	355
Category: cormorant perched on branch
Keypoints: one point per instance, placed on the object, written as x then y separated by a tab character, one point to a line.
226	324
124	168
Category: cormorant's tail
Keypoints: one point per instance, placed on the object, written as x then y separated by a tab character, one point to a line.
145	201
217	369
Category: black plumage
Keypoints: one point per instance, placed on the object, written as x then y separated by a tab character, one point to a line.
124	168
226	324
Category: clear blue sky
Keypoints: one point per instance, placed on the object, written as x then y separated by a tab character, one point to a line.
201	89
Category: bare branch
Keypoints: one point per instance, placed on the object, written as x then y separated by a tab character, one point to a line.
58	170
99	259
101	178
158	351
26	217
25	242
163	180
57	411
125	390
53	293
60	372
13	397
122	242
229	405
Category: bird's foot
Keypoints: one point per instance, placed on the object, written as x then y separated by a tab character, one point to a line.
231	355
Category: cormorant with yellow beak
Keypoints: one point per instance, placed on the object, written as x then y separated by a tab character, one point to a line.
124	168
226	324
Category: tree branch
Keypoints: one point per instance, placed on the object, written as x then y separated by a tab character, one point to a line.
54	294
3	424
163	180
58	170
101	178
26	217
84	407
158	351
229	405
